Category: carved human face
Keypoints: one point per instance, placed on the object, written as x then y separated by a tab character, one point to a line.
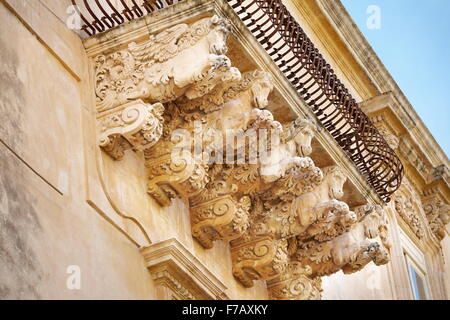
303	140
261	90
336	180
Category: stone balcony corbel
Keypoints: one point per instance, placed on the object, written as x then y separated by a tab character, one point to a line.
135	125
365	241
130	84
219	97
295	283
262	253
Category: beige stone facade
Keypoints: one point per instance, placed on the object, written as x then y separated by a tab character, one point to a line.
101	199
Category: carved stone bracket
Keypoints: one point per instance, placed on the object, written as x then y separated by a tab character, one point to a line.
365	241
407	204
221	218
438	216
248	178
136	125
260	259
295	283
175	176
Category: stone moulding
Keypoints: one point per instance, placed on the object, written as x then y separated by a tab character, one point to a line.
175	268
220	218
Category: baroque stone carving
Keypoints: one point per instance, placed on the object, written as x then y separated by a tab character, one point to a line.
247	178
296	140
134	125
221	218
366	241
131	84
405	205
438	215
260	259
182	60
314	216
295	283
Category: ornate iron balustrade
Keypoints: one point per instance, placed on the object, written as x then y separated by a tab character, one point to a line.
101	15
297	57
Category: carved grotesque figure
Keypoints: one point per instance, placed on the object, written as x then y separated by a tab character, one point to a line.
295	144
180	60
366	241
314	214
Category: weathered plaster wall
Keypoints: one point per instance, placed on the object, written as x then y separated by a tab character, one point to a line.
45	223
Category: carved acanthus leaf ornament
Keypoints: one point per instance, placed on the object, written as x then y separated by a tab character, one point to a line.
438	216
405	203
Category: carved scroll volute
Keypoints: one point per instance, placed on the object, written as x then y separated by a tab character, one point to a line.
260	259
171	176
222	218
135	125
295	283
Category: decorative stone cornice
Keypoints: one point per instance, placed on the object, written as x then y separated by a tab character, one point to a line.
176	269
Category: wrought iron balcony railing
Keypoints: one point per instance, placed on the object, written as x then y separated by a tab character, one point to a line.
101	15
300	61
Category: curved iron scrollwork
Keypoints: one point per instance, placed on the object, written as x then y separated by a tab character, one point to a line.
297	57
101	15
301	62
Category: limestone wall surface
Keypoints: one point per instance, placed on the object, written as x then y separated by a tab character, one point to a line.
46	223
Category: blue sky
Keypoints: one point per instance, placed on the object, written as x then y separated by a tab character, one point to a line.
414	45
